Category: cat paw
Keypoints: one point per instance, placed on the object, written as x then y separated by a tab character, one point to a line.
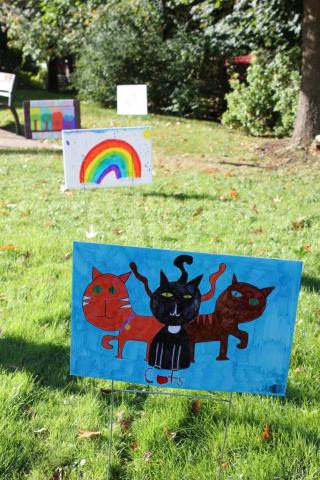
119	357
222	357
242	345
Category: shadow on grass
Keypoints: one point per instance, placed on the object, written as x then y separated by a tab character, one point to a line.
311	283
48	362
181	196
11	127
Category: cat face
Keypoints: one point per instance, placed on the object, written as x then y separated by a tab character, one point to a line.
176	303
105	302
242	301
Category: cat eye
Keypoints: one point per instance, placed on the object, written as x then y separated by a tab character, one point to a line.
97	289
167	294
253	301
187	296
112	289
236	294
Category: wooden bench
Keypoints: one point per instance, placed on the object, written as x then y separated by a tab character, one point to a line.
6	88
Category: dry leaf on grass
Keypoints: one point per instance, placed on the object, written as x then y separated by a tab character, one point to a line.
266	434
91	232
196	406
298	224
133	445
258	231
307	248
147	456
197	212
126	423
7	248
40	431
234	194
87	434
168	434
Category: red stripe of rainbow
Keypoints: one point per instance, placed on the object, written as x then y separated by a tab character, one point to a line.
111	155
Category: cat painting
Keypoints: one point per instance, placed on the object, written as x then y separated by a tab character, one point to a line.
174	304
239	303
106	305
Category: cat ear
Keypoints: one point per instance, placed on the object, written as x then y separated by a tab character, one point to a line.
163	278
234	279
196	281
95	273
124	276
266	291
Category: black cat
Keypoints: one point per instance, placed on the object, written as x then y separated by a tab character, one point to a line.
174	304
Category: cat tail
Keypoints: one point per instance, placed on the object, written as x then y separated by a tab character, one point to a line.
179	261
140	277
213	279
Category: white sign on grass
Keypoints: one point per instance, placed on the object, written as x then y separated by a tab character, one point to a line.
132	100
107	157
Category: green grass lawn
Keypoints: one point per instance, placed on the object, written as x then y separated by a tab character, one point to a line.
201	199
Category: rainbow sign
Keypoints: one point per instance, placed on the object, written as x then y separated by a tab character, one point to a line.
107	157
110	156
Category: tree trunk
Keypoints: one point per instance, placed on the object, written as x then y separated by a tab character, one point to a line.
307	124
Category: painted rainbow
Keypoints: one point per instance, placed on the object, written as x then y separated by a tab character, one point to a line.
109	156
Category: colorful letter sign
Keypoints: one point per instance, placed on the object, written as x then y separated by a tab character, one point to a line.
109	157
47	118
183	319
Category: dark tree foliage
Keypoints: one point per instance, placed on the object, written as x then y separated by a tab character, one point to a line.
258	24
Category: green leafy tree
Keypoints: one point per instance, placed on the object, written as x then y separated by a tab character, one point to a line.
46	29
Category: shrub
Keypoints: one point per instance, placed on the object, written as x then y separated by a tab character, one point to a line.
268	101
126	44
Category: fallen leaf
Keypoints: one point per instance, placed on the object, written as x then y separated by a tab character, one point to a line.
40	431
298	224
8	248
196	406
254	208
91	233
197	212
59	474
258	231
133	445
117	231
87	434
147	456
126	423
67	256
228	174
307	247
168	434
26	213
266	434
234	194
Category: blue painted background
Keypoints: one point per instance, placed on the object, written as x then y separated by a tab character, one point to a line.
260	368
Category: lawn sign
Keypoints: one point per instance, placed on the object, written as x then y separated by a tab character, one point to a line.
182	319
132	100
109	157
47	118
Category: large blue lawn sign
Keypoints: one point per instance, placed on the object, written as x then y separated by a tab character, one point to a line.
183	319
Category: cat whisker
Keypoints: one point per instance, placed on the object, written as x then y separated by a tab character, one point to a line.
126	306
86	297
124	299
85	302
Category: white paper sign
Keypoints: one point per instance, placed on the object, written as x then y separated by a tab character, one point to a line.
107	157
132	100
